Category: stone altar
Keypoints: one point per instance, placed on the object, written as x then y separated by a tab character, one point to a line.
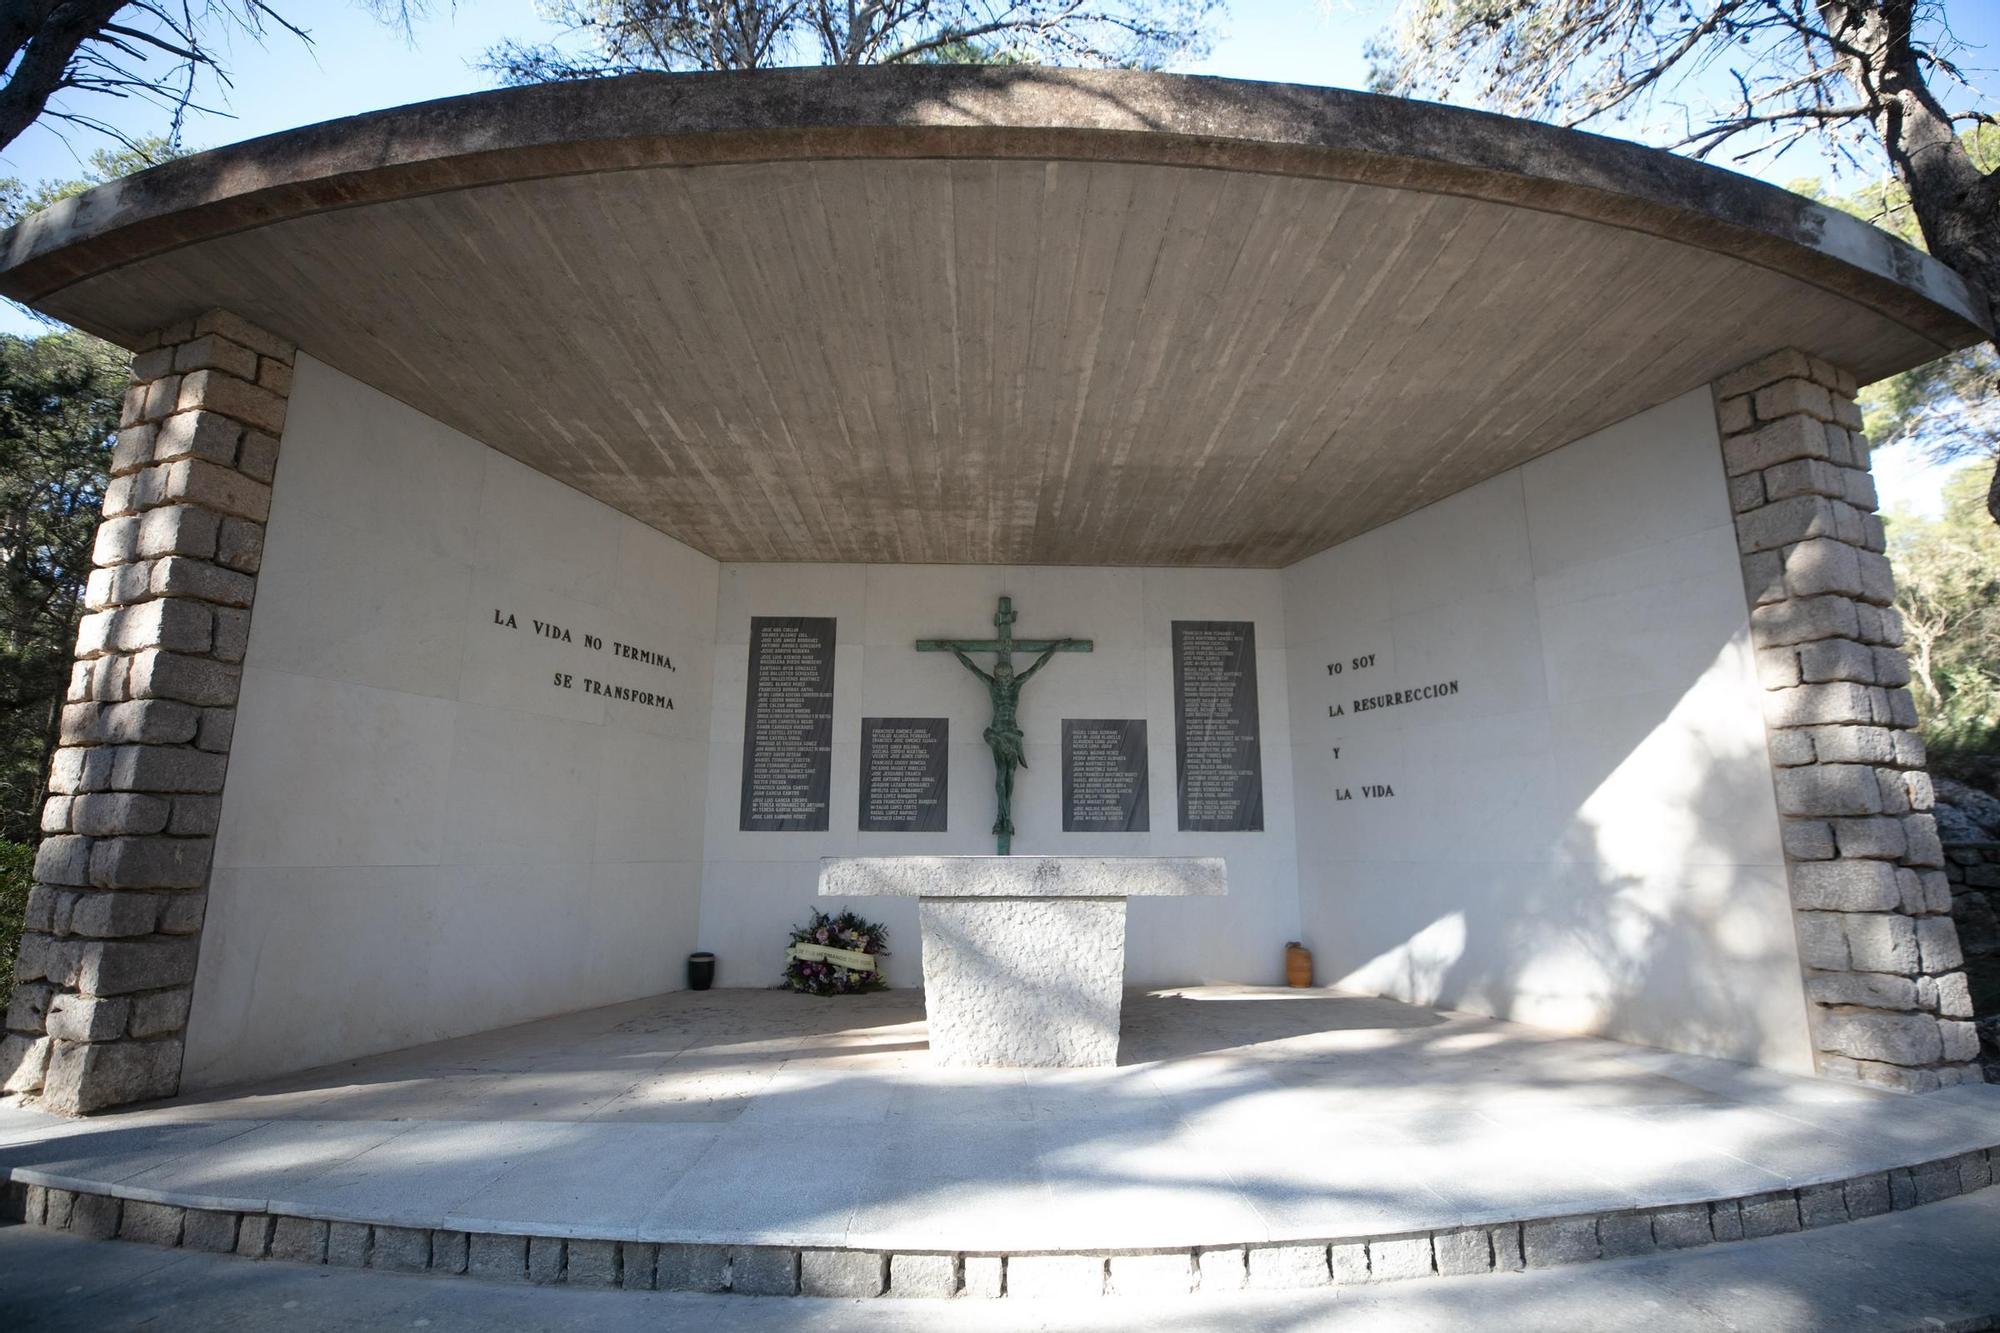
1024	956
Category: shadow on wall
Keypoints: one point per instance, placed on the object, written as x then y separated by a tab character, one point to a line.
1654	910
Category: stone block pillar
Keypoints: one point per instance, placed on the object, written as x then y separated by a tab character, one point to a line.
107	964
1885	985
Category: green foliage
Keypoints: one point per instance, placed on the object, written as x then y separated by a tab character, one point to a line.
60	396
845	931
1885	203
1950	407
17	878
17	200
1948	590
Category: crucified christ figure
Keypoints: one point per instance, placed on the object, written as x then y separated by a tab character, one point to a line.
1003	687
1003	735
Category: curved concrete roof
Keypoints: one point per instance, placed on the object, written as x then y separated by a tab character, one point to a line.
965	313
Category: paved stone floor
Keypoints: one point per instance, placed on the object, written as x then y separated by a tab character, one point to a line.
762	1117
1935	1269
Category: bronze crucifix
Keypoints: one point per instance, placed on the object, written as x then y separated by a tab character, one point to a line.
1003	686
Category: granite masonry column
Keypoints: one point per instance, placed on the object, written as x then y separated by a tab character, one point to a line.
1885	986
114	922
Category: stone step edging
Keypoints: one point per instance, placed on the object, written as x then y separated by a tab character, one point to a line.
814	1271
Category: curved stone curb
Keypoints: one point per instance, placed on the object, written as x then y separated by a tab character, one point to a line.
752	1270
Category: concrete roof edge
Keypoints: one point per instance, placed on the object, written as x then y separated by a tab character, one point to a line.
979	111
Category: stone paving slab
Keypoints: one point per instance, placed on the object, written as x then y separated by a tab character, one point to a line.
1256	1118
416	1178
973	1181
273	1159
764	1185
112	1151
615	1174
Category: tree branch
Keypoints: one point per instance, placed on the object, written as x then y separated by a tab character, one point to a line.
44	60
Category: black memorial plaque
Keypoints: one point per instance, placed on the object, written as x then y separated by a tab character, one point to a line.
1218	761
1104	775
904	774
788	725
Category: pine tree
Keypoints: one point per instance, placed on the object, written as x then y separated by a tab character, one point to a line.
59	402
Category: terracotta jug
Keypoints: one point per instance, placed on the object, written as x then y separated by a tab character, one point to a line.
1298	965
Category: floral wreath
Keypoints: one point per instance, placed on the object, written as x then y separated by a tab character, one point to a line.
835	955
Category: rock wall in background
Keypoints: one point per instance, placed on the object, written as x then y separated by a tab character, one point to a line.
1969	826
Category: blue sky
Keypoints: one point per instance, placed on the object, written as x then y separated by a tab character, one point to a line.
355	65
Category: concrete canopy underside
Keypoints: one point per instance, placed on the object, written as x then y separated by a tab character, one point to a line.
993	316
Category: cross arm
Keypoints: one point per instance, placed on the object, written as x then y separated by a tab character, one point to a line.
998	646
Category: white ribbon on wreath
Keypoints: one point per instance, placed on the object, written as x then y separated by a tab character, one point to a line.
851	959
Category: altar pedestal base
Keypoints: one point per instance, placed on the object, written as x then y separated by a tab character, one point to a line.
1023	981
1024	957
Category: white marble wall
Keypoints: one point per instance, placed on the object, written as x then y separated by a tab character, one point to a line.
758	884
1585	836
422	834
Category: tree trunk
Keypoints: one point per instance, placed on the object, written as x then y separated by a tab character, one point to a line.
1921	666
1956	205
38	41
